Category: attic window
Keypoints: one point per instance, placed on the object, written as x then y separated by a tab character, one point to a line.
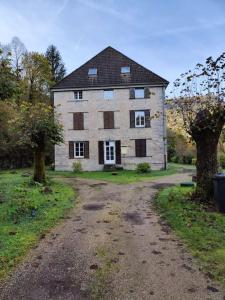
125	70
92	71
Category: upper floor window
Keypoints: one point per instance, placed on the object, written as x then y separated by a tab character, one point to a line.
108	117
108	94
78	95
92	71
139	119
125	70
139	93
78	121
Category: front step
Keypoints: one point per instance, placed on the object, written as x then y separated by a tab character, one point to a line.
109	168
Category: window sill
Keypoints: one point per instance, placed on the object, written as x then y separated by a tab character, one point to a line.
108	128
79	158
134	156
77	129
76	101
139	98
139	127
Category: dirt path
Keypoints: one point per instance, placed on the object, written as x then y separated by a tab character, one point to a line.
113	246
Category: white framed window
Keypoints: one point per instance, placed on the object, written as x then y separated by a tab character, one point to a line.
92	71
125	70
78	95
139	119
79	149
139	93
108	94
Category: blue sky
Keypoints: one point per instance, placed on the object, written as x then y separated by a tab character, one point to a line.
166	36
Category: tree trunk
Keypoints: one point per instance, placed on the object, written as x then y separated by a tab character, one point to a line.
206	166
206	131
39	164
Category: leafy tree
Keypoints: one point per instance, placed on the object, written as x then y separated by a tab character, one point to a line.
58	70
7	78
199	99
6	113
180	147
36	77
37	126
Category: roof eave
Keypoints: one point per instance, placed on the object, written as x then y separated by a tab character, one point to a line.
162	84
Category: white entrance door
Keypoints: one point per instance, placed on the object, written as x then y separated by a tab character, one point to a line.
109	153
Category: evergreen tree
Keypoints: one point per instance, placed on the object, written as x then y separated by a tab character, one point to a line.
7	78
58	70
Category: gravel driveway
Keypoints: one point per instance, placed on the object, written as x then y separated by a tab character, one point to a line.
112	246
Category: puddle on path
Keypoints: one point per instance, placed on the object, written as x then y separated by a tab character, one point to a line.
98	184
93	206
133	218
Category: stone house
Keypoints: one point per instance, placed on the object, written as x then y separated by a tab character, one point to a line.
107	107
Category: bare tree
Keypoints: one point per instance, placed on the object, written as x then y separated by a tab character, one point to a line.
199	98
18	50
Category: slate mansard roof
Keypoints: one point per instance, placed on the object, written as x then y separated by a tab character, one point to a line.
108	63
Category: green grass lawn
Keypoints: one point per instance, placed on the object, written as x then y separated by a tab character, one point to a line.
201	230
123	176
182	166
19	231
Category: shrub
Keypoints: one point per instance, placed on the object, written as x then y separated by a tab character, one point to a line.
222	161
193	161
143	167
187	159
77	167
175	159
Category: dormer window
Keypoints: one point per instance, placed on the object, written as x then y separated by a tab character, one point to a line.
92	71
125	70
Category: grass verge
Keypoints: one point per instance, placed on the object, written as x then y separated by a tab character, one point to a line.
202	231
101	278
123	176
27	211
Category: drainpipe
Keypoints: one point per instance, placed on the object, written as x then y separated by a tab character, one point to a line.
164	129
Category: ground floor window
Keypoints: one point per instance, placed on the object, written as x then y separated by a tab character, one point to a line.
79	149
140	148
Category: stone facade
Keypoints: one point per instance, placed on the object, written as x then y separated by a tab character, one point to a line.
93	105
